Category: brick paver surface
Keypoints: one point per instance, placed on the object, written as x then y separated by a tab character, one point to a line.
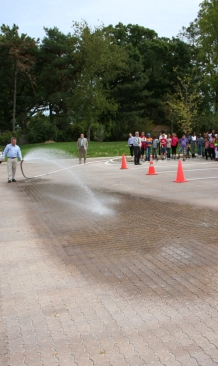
100	266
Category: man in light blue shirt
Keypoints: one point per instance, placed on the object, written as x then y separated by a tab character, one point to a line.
12	151
130	143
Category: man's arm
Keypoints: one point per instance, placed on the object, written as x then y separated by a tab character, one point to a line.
20	155
4	153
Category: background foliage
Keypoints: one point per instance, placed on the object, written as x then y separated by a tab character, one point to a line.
109	81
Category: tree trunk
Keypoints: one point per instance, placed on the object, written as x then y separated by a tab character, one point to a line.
50	112
216	99
34	93
15	100
89	132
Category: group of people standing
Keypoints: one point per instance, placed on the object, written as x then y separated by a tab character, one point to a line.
142	147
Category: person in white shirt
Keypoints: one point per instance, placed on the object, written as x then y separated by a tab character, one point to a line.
193	144
137	148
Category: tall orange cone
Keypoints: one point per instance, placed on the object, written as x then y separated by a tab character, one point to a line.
123	162
151	170
180	174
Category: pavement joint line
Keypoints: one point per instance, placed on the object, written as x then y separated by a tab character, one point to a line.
202	178
185	170
189	170
111	162
191	164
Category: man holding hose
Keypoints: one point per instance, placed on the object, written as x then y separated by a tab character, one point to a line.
12	151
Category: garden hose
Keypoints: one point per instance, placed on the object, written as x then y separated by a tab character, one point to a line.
56	171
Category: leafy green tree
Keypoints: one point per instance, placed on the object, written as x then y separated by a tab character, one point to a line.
130	89
100	61
141	91
130	93
208	44
6	90
202	34
183	105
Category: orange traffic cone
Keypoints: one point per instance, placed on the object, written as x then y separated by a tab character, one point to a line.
123	162
151	170
180	174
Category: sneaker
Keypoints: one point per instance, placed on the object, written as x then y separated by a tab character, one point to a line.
13	180
9	181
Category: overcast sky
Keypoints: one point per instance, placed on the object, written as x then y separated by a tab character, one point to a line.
166	17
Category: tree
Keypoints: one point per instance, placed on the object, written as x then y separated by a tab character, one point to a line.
184	104
100	61
141	91
202	34
20	54
55	72
208	44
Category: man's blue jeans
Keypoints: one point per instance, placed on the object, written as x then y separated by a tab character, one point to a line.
200	150
148	151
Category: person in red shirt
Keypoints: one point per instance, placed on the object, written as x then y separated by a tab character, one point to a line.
174	144
163	144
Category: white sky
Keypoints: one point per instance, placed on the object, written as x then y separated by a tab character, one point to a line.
166	17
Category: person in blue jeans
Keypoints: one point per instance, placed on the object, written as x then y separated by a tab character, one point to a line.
155	144
148	146
200	143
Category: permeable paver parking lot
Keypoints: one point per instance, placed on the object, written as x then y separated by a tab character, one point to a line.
100	266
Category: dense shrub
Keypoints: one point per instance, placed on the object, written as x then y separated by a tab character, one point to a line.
40	129
5	137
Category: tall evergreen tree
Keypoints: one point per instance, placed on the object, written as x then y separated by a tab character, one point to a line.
55	72
19	60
